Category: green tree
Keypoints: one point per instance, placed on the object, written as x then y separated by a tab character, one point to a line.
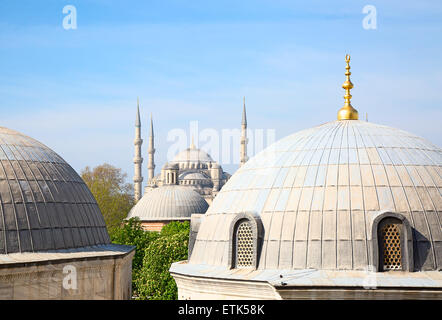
175	227
113	195
131	233
154	280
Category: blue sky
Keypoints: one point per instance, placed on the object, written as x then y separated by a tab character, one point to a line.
76	90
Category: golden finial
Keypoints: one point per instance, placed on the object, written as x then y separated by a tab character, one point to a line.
347	112
192	146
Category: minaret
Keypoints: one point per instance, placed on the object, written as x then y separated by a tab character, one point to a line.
138	160
243	152
347	112
151	151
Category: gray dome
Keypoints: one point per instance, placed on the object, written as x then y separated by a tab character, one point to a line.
317	192
195	178
171	202
171	166
44	204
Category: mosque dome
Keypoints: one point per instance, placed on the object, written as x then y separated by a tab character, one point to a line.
168	202
195	178
318	190
44	203
192	154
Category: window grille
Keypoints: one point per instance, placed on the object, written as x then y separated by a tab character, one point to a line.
244	245
391	244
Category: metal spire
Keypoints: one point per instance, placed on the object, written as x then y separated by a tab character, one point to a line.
137	120
347	112
244	116
192	145
151	126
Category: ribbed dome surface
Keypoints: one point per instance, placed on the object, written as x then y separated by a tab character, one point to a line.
317	190
171	202
44	204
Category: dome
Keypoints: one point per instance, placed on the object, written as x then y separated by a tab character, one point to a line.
171	202
317	192
195	177
44	203
192	154
171	166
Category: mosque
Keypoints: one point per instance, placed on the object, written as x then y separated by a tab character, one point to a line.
345	210
53	239
186	185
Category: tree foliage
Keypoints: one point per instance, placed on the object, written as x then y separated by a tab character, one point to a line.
175	227
132	234
155	251
112	193
154	281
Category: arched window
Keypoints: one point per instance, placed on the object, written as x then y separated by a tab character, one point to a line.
390	247
244	245
246	233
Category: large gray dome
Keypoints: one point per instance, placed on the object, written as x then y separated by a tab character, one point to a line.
44	204
317	192
170	202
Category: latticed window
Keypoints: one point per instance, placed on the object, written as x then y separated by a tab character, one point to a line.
244	245
391	246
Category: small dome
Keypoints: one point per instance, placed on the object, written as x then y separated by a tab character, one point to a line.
196	177
44	203
317	192
170	202
171	166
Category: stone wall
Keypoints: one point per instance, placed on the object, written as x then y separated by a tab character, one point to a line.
194	288
99	277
